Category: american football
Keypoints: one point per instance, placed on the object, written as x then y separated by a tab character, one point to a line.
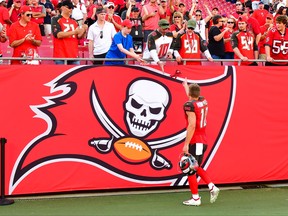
132	150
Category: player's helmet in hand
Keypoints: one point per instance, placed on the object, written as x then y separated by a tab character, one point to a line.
188	164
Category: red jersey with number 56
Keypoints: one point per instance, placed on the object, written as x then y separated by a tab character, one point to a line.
64	47
279	45
200	108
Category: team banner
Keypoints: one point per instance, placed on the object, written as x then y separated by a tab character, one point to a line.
111	127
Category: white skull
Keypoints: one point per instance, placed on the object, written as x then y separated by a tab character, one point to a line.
145	106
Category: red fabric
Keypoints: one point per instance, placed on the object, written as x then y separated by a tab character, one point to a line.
193	184
4	15
15	15
37	9
260	16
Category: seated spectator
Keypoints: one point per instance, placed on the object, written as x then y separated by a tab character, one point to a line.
122	46
14	11
25	37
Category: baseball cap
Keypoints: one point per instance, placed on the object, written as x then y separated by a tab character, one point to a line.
191	23
127	23
163	1
163	23
135	9
110	4
242	19
67	3
100	10
24	9
269	15
260	2
181	3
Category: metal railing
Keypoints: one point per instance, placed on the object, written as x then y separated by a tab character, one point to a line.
7	60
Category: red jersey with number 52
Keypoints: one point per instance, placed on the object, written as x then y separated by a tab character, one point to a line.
200	108
64	47
278	44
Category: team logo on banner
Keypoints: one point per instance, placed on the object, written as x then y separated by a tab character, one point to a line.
124	121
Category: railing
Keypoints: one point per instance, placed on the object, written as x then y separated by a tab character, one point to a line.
127	60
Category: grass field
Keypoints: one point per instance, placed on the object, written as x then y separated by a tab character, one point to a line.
252	202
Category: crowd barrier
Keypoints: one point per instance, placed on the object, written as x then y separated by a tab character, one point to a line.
118	127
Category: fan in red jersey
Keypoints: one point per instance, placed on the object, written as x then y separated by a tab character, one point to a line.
66	33
189	45
276	45
244	44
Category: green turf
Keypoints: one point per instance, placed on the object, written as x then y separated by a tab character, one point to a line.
252	202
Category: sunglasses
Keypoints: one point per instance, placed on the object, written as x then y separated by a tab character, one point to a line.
28	15
230	22
101	34
68	7
238	4
165	28
190	28
198	15
111	7
17	1
177	17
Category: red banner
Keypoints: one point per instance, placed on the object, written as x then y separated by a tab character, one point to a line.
99	127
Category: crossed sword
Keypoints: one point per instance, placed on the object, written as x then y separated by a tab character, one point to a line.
105	145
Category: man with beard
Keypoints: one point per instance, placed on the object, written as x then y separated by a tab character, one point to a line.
244	44
190	45
276	46
159	44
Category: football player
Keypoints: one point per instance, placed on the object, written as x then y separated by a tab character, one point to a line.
195	143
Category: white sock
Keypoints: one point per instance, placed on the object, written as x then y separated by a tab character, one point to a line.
195	196
210	186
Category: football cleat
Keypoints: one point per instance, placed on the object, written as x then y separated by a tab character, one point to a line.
214	192
193	202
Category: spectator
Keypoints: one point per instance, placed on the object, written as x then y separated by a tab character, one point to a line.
254	4
276	43
189	45
231	25
281	11
112	17
137	28
239	10
50	12
253	24
260	14
66	32
244	44
179	25
24	37
100	35
38	14
91	12
164	10
150	16
14	11
201	23
123	10
264	31
4	13
182	9
174	5
3	38
216	40
79	12
122	45
163	48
